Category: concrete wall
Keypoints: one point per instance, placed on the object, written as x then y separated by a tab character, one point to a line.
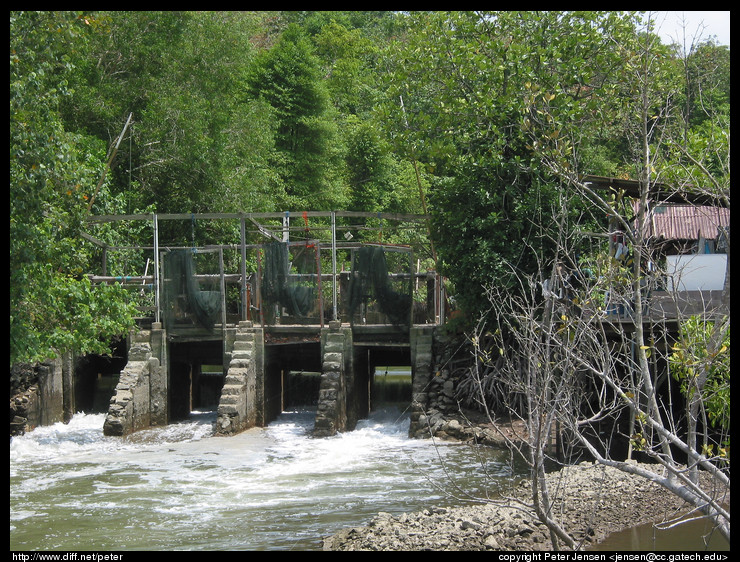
135	396
337	380
237	408
141	396
158	379
422	364
43	402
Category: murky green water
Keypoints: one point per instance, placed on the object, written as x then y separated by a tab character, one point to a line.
274	488
71	488
695	536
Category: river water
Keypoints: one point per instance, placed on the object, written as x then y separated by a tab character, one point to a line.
273	488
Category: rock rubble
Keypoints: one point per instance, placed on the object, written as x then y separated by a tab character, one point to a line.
593	501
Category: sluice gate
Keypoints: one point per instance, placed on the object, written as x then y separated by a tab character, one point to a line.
261	372
302	321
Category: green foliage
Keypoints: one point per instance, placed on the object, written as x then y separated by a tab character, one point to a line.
195	144
316	110
693	355
53	308
707	91
347	56
475	86
374	175
288	78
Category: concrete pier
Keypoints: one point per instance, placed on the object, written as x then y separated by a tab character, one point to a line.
162	379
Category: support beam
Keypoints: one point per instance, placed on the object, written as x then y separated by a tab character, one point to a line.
156	269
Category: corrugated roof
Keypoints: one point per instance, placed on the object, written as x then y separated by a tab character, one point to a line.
687	222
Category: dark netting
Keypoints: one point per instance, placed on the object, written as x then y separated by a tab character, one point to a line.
280	288
185	302
370	280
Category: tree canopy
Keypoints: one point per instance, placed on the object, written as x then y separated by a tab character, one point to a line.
311	110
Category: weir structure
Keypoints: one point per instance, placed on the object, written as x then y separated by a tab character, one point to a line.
294	308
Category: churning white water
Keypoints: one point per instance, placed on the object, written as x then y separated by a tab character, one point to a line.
273	488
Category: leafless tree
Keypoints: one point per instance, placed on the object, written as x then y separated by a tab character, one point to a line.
584	358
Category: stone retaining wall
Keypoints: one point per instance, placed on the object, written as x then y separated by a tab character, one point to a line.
331	413
422	359
140	399
131	405
237	408
37	398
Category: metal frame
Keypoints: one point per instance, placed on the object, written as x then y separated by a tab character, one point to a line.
280	232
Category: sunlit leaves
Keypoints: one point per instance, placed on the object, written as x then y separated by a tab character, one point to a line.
693	356
52	307
288	77
488	97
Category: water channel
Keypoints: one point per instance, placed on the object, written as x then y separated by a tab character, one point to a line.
273	488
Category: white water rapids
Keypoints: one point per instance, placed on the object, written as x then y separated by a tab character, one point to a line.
273	488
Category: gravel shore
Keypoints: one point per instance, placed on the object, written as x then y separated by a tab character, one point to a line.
592	501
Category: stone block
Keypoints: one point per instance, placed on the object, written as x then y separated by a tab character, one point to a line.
232	389
243	345
228	410
123	396
139	352
332	367
332	358
328	394
141	336
240	362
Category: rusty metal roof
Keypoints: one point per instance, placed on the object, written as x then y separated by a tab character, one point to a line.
686	222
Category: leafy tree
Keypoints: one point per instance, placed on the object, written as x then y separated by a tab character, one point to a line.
352	59
696	355
194	144
53	308
699	157
510	109
467	80
370	169
562	360
288	78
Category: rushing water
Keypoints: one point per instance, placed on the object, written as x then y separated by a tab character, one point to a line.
274	488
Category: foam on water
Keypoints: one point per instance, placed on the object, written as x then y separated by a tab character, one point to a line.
178	487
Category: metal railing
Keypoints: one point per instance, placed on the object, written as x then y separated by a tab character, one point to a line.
241	292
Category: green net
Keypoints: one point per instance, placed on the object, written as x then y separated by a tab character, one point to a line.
295	293
185	304
370	281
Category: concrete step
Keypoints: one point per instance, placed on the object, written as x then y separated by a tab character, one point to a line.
227	409
240	345
230	399
235	379
333	358
232	389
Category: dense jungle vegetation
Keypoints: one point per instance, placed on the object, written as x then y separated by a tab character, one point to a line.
461	112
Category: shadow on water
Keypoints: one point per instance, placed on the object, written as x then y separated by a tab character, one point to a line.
694	536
